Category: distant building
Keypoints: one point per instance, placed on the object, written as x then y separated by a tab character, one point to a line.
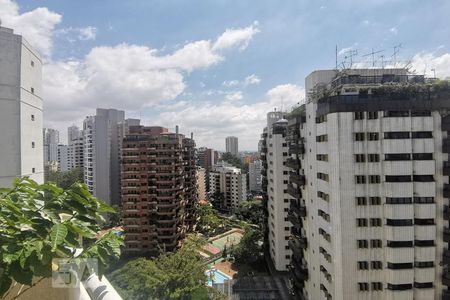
73	133
231	145
254	175
159	189
50	141
63	158
207	157
21	150
201	184
228	186
76	153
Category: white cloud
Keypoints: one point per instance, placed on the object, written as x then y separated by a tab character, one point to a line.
251	79
73	34
394	30
37	26
231	83
212	122
234	96
87	33
232	37
424	63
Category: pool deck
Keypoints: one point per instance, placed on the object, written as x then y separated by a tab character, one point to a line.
226	268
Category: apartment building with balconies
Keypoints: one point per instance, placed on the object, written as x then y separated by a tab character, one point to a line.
159	189
368	177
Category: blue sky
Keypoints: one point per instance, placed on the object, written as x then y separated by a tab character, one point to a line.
203	88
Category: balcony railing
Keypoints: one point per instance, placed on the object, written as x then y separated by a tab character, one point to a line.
446	190
446	168
298	210
297	148
447	235
294	192
297	179
293	163
446	278
446	257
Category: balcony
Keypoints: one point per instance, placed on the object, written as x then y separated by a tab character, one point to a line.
297	179
446	145
297	149
446	278
446	235
446	168
298	210
294	219
446	212
446	190
294	192
299	273
445	295
446	257
298	242
293	163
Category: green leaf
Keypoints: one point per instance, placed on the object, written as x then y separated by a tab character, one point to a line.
57	235
5	284
20	275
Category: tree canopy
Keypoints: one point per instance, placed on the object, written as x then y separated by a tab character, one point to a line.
179	275
251	211
249	250
209	222
41	222
66	179
234	160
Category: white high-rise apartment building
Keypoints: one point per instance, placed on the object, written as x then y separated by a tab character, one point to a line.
102	142
76	153
369	160
228	185
73	133
63	158
274	155
231	145
51	141
254	175
21	151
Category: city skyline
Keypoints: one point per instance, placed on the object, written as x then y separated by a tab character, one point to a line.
226	90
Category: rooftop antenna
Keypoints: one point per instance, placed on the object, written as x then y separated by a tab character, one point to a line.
373	55
396	51
350	54
336	55
382	61
434	73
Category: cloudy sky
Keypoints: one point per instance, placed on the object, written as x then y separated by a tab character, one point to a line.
215	67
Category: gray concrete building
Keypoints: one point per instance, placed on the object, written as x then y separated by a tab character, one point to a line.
232	145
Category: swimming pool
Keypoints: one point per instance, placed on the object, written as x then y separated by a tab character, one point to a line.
215	276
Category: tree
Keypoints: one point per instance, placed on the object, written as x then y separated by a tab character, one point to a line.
249	250
179	275
234	161
251	211
66	179
209	221
39	223
224	252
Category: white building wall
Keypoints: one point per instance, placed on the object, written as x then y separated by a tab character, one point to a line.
255	177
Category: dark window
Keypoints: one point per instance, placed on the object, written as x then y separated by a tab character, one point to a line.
376	265
424	243
423	199
424	264
363	265
359	115
397	266
361	222
423	178
32	90
396	135
32	117
400	244
373	136
360	158
399	222
372	115
363	286
322	138
33	170
375	222
422	156
396	113
374	179
359	136
424	222
363	243
398	200
398	178
360	179
373	157
374	200
420	113
32	63
397	156
422	134
399	287
361	201
33	144
377	286
376	243
322	176
423	285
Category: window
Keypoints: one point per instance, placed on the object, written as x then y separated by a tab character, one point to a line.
377	286
360	179
423	221
321	119
423	200
322	176
375	200
361	222
396	135
374	179
361	201
423	285
421	134
322	138
322	157
423	178
32	90
375	222
363	286
399	222
373	136
32	117
398	266
359	115
398	178
32	145
422	156
396	113
398	200
360	158
400	244
420	113
32	63
363	265
372	115
376	243
374	157
424	243
360	136
424	264
362	244
33	170
397	156
376	265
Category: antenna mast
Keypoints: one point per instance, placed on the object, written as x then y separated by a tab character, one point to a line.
373	55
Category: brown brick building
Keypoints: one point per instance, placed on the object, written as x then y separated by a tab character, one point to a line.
158	189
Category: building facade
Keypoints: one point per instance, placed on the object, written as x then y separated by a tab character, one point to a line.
369	153
159	189
228	186
21	153
274	155
51	142
231	145
207	158
63	158
254	175
201	184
